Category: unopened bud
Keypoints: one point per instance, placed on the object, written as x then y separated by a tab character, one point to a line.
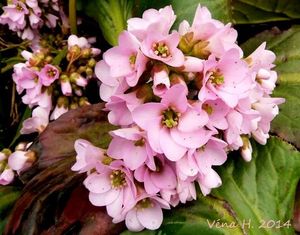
186	43
246	150
91	63
74	51
74	76
89	72
86	53
83	101
73	106
62	101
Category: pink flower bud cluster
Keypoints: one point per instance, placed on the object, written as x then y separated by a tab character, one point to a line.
27	17
53	87
16	162
182	99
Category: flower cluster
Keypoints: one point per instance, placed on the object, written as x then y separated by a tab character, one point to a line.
53	79
17	161
28	16
182	99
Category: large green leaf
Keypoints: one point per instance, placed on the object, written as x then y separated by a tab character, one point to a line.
286	46
111	16
261	190
236	11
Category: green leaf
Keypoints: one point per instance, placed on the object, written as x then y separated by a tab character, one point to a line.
253	192
286	46
236	11
111	16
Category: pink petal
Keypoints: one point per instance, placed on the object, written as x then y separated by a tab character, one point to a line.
194	139
113	209
149	185
192	120
151	218
176	97
17	160
132	222
97	183
103	199
165	179
170	148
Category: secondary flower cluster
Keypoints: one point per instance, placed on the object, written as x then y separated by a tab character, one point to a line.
18	161
53	79
182	99
28	16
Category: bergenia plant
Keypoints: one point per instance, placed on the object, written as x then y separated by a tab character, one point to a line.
182	100
152	119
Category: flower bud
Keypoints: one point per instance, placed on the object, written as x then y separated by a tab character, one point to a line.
186	43
91	63
246	149
86	53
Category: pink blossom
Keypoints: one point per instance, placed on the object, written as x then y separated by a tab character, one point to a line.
110	85
146	214
163	48
161	80
126	59
227	79
186	190
208	181
131	145
14	15
48	74
66	87
172	125
6	176
82	42
88	156
162	20
120	107
162	177
113	187
38	121
21	160
58	111
24	77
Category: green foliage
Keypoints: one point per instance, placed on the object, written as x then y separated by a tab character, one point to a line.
111	16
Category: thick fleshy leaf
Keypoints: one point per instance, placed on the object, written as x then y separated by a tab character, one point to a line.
261	191
237	11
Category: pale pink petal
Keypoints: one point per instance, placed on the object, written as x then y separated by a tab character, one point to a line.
151	218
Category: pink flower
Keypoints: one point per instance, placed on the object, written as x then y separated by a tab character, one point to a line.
88	156
38	121
6	176
162	177
110	85
163	48
131	145
172	125
146	214
66	87
24	77
161	80
112	187
126	60
120	107
14	15
209	181
201	160
58	111
186	190
82	42
48	74
215	38
161	20
268	109
227	79
217	111
21	160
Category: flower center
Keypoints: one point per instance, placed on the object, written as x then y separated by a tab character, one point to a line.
117	179
51	73
140	142
132	60
170	118
161	49
106	160
216	78
207	108
19	7
145	203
